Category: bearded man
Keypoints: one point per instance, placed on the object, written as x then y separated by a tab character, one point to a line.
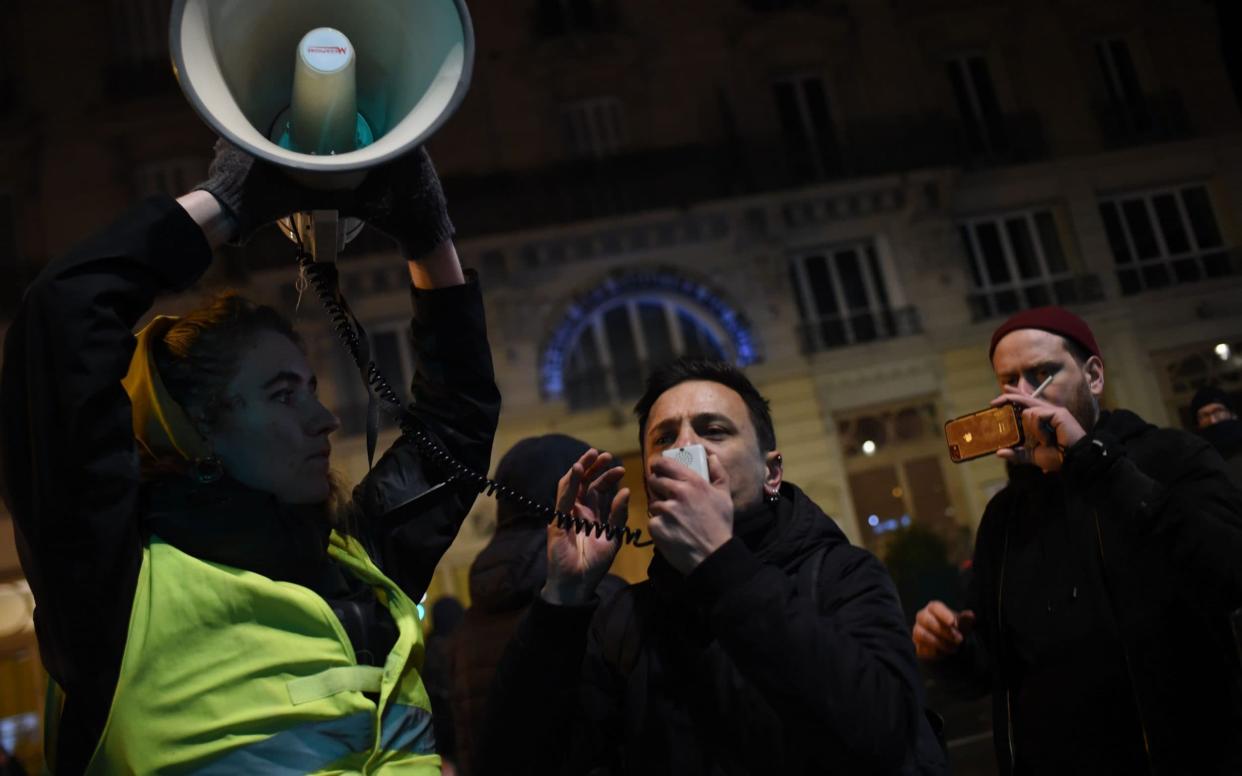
1104	577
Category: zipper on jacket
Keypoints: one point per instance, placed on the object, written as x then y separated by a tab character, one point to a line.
1000	624
1125	656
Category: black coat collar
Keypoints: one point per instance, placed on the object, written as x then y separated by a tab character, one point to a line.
234	525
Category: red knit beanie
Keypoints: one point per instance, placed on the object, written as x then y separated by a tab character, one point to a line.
1057	320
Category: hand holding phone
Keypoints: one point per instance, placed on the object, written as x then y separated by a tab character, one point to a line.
1051	429
987	431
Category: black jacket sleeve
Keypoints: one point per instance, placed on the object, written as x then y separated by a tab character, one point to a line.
410	507
967	674
536	719
70	465
1183	503
843	670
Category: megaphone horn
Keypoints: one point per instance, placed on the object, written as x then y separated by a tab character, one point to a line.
323	89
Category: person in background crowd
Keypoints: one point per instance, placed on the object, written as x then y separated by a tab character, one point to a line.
1103	579
446	614
761	643
505	579
1219	424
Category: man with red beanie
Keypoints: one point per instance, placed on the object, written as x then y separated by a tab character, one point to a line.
1104	576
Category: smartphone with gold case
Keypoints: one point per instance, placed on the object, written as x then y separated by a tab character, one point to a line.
983	432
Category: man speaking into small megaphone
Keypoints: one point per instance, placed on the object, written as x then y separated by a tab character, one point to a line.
210	596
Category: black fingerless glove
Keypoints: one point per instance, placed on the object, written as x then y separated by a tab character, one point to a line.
252	192
404	200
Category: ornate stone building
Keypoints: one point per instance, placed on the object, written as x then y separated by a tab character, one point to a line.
843	196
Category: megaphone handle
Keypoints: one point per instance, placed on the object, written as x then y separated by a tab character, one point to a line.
327	239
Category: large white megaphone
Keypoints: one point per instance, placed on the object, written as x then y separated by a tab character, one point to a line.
324	89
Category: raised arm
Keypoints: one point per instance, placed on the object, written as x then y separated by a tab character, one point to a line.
411	507
69	463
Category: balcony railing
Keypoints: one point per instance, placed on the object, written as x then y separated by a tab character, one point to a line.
682	176
1155	118
1166	271
836	331
588	189
1008	299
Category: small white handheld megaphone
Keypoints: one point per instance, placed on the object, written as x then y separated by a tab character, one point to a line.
323	89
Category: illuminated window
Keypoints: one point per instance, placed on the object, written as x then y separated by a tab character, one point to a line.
620	344
895	465
612	337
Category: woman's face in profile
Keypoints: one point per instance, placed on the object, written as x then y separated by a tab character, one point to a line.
274	434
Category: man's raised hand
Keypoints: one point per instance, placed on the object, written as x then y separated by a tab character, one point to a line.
578	561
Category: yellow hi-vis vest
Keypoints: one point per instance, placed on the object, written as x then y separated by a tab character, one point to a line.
226	671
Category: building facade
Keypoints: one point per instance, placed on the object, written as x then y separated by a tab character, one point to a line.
843	197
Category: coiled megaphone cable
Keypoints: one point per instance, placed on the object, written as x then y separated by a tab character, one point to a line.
322	277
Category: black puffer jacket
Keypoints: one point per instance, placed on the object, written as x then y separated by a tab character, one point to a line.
1167	528
789	656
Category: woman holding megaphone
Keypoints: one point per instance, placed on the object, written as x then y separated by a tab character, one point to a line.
207	600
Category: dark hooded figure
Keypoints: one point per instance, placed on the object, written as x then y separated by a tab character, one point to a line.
446	614
505	578
1217	418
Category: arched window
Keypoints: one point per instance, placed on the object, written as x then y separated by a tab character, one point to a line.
611	339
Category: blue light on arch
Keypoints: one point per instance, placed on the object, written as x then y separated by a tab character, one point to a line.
556	351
